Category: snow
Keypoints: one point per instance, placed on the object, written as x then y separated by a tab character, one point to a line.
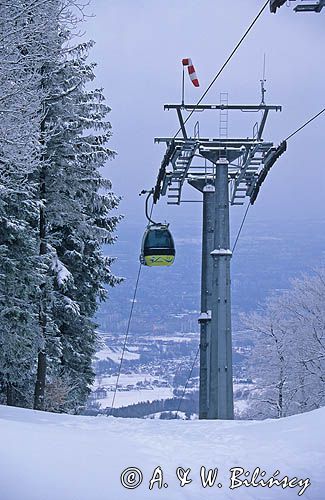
241	405
221	251
133	396
62	273
128	393
114	354
177	414
125	379
47	456
170	338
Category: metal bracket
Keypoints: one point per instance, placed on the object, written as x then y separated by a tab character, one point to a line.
311	7
221	252
204	316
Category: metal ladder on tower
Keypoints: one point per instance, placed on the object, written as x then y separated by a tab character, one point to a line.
181	163
223	120
246	178
241	189
223	117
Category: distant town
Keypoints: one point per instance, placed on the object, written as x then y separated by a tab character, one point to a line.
164	335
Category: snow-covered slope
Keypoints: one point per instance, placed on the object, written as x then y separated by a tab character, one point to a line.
58	457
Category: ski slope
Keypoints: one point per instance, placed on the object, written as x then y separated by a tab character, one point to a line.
46	456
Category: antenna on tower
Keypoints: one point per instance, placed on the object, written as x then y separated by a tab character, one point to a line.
183	85
263	81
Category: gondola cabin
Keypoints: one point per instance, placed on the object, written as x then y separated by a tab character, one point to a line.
158	247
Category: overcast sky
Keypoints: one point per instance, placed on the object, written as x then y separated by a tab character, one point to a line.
139	48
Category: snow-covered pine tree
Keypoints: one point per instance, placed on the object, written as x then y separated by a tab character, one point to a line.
54	209
43	20
20	270
79	202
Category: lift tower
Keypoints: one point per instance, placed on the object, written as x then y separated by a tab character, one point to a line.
233	170
315	6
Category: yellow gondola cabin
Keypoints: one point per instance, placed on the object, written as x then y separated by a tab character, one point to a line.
157	247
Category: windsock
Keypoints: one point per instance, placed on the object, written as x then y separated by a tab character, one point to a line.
191	71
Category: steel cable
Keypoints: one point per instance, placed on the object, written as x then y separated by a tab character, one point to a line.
225	63
187	381
305	124
126	336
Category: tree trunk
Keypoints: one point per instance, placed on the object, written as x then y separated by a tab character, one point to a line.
280	389
41	360
40	382
10	395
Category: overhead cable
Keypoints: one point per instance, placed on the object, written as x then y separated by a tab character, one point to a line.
187	381
275	154
226	62
305	124
241	227
126	336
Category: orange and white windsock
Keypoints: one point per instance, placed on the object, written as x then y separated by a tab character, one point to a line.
191	71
